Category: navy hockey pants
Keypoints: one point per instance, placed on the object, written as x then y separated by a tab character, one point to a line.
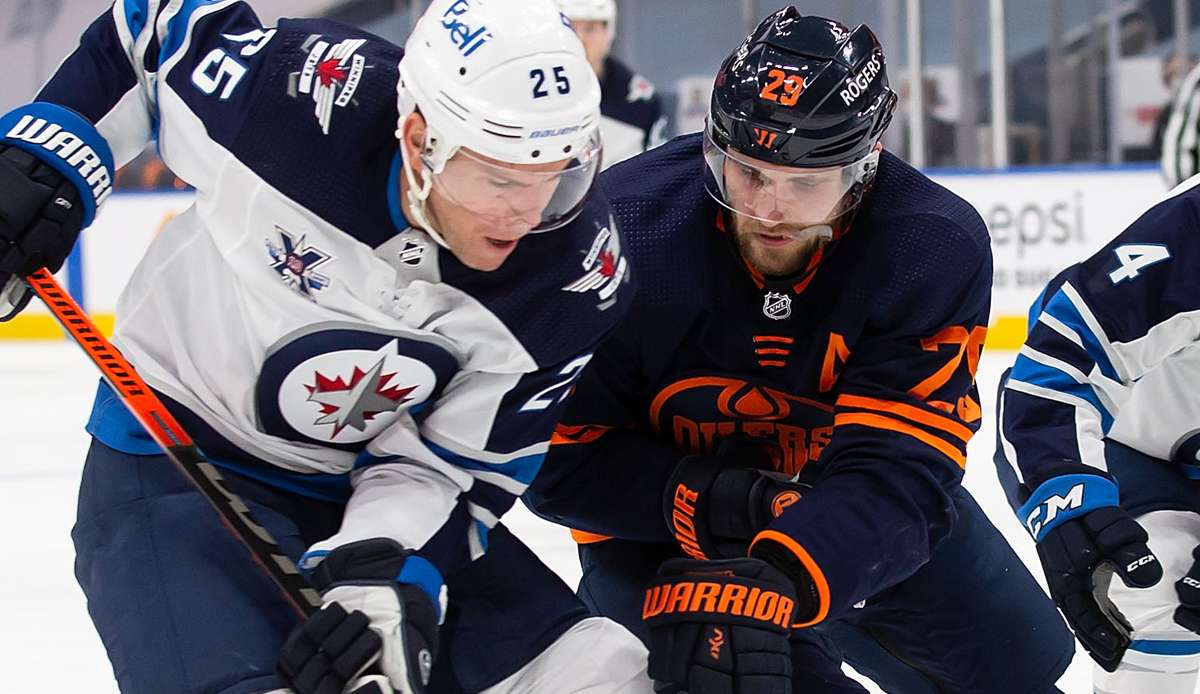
970	620
181	607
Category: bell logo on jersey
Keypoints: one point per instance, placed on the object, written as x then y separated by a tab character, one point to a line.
461	35
331	75
604	268
68	147
777	306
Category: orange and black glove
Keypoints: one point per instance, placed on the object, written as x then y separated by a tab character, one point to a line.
720	627
715	505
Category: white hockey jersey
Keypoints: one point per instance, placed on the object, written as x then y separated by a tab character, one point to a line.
303	333
1113	353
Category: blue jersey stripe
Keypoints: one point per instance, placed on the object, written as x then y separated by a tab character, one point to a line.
136	16
1035	373
1164	647
177	27
522	469
1062	308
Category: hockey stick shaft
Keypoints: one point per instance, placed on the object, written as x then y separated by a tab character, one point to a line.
176	444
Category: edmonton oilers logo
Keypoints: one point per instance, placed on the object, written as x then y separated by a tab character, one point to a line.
777	306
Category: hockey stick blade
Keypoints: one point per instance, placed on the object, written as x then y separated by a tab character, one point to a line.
176	444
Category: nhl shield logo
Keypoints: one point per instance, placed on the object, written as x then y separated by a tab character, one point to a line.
777	306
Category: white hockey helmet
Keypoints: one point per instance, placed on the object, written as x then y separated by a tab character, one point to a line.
590	10
507	80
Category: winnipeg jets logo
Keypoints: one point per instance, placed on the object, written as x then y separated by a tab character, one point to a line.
604	268
331	75
295	261
777	306
358	399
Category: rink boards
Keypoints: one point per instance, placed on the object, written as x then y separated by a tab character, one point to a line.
1041	220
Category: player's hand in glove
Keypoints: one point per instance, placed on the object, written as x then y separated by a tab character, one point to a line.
1187	615
719	627
714	505
382	608
40	218
1083	537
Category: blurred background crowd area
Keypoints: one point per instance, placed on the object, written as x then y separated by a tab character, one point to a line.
1082	82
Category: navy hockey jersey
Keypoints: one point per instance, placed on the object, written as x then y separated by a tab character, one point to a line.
631	113
858	374
300	329
1113	352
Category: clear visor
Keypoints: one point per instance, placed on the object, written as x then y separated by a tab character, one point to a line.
791	201
519	197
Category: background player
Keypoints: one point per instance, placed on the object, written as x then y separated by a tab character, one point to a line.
353	328
1098	448
632	120
811	305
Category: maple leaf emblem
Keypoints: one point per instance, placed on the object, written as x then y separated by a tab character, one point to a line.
330	71
608	264
357	401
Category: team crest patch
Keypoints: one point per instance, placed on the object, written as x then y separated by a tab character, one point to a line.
777	306
604	268
330	76
351	395
296	262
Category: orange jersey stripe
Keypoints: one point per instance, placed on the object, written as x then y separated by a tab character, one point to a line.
772	350
568	435
879	421
768	362
814	571
908	412
586	538
774	338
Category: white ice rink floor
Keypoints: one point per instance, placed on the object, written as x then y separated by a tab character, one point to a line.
47	643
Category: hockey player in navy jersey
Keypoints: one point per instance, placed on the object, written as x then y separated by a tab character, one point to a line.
1099	452
631	117
393	272
774	439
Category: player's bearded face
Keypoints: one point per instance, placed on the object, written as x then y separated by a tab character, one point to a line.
782	214
780	219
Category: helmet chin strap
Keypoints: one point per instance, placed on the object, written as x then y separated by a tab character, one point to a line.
418	193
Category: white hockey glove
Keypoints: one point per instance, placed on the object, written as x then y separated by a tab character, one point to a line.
383	605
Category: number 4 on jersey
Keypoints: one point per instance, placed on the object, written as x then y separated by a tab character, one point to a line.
1132	258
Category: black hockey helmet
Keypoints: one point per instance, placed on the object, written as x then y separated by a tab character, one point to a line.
803	91
797	113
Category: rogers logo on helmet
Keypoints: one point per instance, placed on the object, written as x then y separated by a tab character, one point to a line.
856	85
460	33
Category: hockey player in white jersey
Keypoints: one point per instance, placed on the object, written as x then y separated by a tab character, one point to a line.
631	114
1098	451
392	274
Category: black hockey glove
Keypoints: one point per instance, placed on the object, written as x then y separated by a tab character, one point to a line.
719	627
382	608
40	218
1187	615
1083	537
714	508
